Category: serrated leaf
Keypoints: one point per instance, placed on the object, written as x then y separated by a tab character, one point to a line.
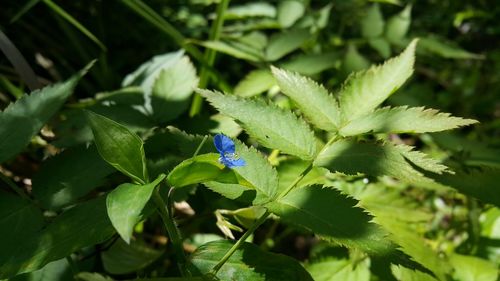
351	158
249	262
340	270
22	120
61	238
366	90
372	23
284	43
319	106
397	26
254	83
270	125
125	204
404	120
122	258
59	180
332	216
119	147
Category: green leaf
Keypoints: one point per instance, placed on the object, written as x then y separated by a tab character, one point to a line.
354	61
233	49
172	89
284	43
59	180
398	25
91	276
125	204
288	171
446	49
381	45
404	120
84	225
372	23
119	147
405	274
351	158
319	106
253	9
254	83
22	120
366	90
310	64
20	221
56	270
249	262
122	258
199	169
473	268
270	125
339	270
289	12
332	216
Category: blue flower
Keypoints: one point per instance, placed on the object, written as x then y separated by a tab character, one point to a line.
225	146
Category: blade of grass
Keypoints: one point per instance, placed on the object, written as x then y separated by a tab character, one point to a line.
28	6
61	12
209	56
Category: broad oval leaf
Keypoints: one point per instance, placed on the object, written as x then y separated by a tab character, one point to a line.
125	204
249	262
404	120
21	120
119	147
270	125
319	106
332	216
365	90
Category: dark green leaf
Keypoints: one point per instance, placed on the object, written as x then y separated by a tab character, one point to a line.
249	262
122	258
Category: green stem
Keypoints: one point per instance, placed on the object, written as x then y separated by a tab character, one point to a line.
238	243
200	146
209	56
173	232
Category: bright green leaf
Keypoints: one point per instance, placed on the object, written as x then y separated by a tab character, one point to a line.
354	61
254	83
404	120
372	23
366	90
284	43
405	274
381	45
310	64
270	125
339	270
289	11
249	262
233	49
398	25
252	9
22	120
473	268
119	147
125	204
319	106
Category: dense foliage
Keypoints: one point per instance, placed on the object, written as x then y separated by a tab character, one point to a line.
251	140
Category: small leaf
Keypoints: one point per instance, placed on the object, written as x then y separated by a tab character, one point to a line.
398	25
270	125
381	46
249	262
333	217
310	64
354	61
319	106
284	43
404	120
125	204
122	258
234	49
351	158
248	10
119	147
22	120
59	180
366	90
289	12
254	83
372	23
446	49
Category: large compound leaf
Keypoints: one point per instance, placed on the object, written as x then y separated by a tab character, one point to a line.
249	262
404	120
366	90
332	216
59	180
314	101
119	147
84	225
270	125
21	120
125	204
351	158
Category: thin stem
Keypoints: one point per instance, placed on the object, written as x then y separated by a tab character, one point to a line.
238	243
173	232
200	146
209	56
296	181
